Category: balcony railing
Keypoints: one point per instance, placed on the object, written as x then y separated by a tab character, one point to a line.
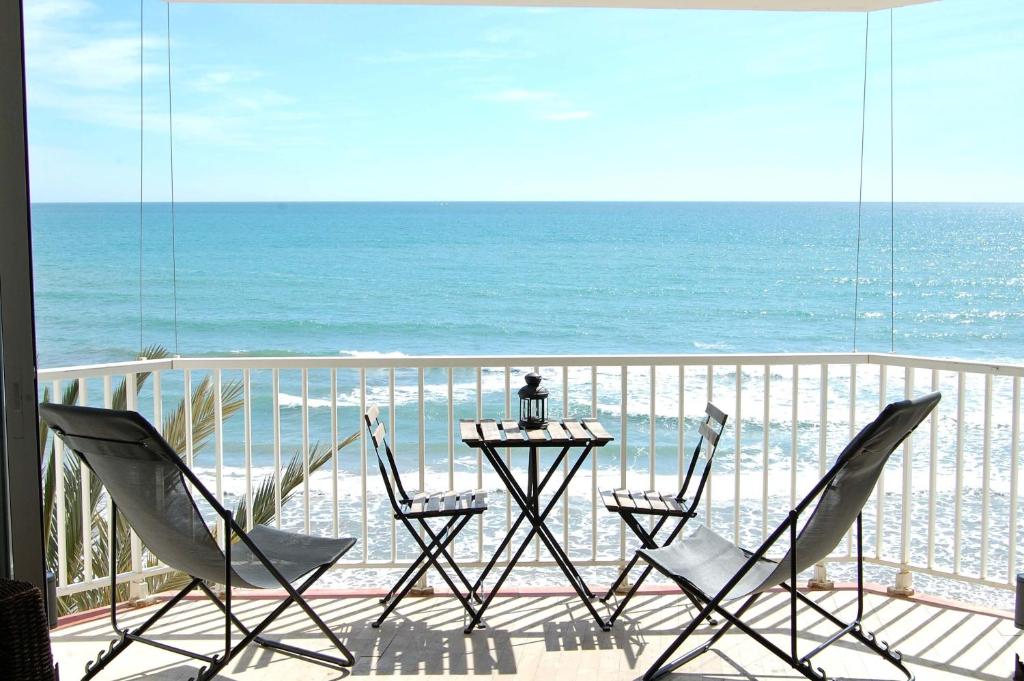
946	506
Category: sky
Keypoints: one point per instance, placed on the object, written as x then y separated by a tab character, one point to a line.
382	103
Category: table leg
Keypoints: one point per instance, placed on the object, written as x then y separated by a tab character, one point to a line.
530	504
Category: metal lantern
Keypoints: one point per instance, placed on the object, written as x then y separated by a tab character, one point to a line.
533	407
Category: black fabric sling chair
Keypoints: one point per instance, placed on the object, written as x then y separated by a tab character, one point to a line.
715	571
633	505
146	481
455	508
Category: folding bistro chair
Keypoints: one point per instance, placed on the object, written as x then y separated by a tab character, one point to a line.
630	505
714	571
455	508
146	481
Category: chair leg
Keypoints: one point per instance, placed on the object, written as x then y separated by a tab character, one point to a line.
414	566
126	637
253	635
451	562
430	556
647	539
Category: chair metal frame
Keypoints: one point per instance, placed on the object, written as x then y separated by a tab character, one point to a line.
688	510
402	504
714	604
216	662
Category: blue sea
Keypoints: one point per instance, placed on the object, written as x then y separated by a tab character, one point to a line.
393	279
539	278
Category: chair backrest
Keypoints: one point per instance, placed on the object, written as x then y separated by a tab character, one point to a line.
710	430
144	477
847	486
385	457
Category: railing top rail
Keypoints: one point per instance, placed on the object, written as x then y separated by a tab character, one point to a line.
109	369
473	361
971	366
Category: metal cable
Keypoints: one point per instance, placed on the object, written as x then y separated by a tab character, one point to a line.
141	158
860	193
892	198
170	137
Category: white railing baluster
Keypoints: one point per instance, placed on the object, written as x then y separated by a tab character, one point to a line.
452	428
158	404
986	474
362	464
710	389
335	452
851	433
421	442
392	417
85	478
59	452
508	458
738	424
247	444
479	463
883	387
681	429
218	442
822	419
624	428
904	578
275	382
1014	463
933	471
652	417
794	435
765	435
565	464
305	450
820	578
108	402
961	381
131	404
187	396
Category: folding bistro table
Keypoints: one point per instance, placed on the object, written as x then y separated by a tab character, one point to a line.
487	436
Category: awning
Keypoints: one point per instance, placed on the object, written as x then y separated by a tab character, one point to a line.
752	5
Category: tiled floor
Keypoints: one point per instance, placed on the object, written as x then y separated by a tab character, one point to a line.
551	637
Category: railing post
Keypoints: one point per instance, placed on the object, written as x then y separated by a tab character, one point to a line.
422	586
820	580
904	586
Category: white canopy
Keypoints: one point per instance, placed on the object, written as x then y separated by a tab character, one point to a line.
756	5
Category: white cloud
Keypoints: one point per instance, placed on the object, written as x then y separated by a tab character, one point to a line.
217	79
469	54
39	12
569	116
513	96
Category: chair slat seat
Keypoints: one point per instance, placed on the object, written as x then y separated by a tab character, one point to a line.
441	504
643	503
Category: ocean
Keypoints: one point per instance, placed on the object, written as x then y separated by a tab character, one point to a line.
393	279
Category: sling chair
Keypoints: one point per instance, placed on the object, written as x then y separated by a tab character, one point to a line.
146	481
715	571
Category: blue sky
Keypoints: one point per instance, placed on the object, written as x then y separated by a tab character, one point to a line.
325	102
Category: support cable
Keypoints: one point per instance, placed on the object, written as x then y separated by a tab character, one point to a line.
141	159
170	137
860	193
892	198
